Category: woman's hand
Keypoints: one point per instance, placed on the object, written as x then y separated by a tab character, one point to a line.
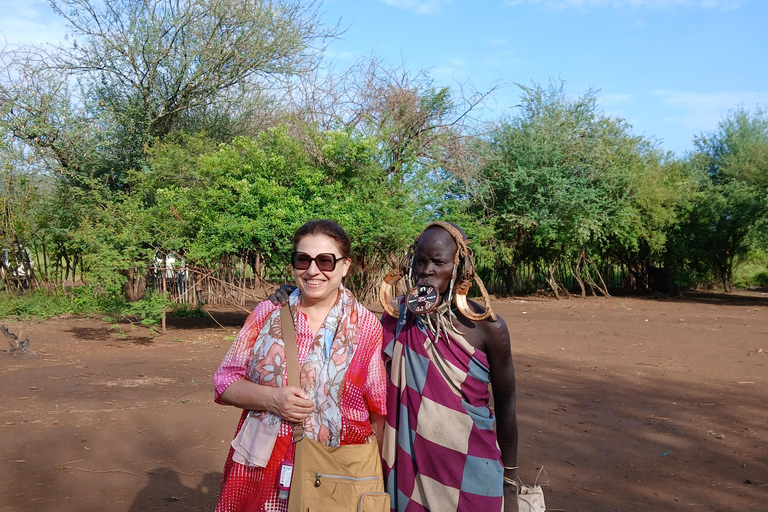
288	402
291	404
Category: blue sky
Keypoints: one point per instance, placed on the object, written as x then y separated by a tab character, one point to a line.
671	68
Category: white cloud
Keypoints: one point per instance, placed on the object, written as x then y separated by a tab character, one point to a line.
702	111
29	22
612	100
497	42
723	5
425	7
458	62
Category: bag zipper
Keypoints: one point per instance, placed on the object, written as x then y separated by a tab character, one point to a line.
342	477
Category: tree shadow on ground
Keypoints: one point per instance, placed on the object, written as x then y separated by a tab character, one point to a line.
759	299
92	333
756	297
103	333
639	441
217	318
166	491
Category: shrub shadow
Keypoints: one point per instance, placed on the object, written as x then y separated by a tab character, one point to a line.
166	491
610	429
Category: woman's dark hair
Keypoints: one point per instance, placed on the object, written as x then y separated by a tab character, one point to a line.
328	228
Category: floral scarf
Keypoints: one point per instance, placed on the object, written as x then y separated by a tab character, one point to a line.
322	366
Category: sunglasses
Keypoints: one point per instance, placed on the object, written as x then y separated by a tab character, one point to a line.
326	261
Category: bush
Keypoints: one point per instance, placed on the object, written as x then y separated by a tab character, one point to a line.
38	304
149	310
751	270
189	311
41	305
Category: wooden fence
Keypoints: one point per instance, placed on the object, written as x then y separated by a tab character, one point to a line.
198	286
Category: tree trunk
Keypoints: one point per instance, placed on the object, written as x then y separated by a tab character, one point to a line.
553	282
576	275
509	279
136	286
591	281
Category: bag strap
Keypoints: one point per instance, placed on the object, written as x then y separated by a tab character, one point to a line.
291	346
291	358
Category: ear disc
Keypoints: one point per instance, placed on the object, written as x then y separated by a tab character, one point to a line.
422	299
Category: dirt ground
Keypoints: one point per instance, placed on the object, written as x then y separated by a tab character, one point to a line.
624	404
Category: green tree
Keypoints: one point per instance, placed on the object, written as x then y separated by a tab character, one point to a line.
565	186
248	198
727	213
146	69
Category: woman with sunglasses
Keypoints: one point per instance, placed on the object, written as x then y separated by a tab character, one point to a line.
343	379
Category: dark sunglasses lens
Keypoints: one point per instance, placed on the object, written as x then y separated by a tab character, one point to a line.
301	261
325	262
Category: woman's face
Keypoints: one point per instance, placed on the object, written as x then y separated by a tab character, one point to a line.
433	259
317	285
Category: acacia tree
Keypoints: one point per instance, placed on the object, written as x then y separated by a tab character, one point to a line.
248	197
422	129
643	185
729	208
145	68
537	180
560	187
129	74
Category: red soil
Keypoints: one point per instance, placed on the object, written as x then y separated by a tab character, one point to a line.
628	404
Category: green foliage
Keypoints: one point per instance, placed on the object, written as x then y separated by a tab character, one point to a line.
38	305
253	194
189	311
751	270
566	184
148	310
727	214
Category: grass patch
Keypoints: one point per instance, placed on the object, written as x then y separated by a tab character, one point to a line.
189	311
751	270
42	304
34	305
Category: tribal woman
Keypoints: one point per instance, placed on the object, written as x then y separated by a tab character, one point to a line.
440	450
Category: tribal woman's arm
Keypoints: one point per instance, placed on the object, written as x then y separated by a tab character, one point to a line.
502	371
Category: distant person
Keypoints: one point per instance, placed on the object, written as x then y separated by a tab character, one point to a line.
343	379
170	264
157	270
181	275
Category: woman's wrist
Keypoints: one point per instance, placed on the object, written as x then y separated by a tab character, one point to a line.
270	400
